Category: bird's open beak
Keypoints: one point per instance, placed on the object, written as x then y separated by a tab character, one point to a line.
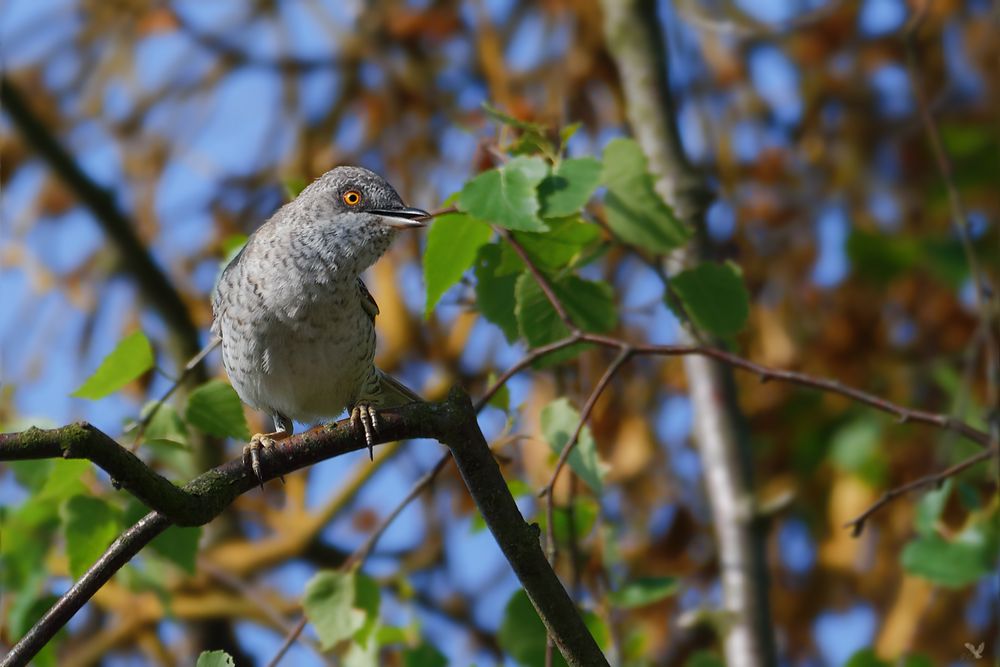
403	218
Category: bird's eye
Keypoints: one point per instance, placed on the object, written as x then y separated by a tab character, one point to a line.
352	197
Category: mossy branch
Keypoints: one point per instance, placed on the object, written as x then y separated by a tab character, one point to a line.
452	422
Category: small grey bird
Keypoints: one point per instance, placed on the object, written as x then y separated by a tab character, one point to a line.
297	323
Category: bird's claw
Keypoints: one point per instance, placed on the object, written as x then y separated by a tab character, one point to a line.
251	455
368	418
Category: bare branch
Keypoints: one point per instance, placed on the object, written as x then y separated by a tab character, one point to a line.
624	355
986	300
857	524
767	374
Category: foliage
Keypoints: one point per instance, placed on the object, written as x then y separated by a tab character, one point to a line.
132	357
831	249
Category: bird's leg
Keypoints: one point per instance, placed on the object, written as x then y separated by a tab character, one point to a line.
364	413
251	453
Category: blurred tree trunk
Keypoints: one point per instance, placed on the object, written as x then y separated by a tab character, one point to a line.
634	39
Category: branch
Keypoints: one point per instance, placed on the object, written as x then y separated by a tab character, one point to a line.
857	524
540	278
121	551
634	36
452	422
624	355
986	301
766	374
153	283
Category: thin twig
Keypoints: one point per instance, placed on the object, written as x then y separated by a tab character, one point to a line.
625	353
361	554
254	595
766	374
551	547
857	524
986	305
289	640
541	279
523	363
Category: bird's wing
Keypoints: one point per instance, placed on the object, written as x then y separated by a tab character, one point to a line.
393	392
367	300
224	282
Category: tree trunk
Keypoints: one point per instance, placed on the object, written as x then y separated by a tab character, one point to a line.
634	39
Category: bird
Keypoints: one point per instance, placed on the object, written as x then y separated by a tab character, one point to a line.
296	322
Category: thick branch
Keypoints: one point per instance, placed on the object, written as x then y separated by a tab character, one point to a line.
452	422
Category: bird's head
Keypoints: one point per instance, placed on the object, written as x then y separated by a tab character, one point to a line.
365	198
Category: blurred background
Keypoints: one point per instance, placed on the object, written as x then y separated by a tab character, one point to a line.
190	120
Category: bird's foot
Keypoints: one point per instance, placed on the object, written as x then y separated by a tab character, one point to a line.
251	453
368	418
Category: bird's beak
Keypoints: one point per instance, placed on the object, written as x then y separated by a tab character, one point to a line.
403	218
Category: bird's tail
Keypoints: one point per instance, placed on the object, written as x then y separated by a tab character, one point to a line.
394	393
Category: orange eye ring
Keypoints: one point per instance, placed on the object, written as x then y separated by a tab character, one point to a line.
352	197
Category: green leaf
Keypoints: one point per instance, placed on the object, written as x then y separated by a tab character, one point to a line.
567	133
132	357
232	244
589	304
952	564
500	399
865	658
166	425
177	544
89	524
293	186
635	211
362	655
582	520
494	292
507	196
215	659
424	655
65	480
215	409
566	190
598	629
32	475
644	591
930	506
367	599
341	606
704	659
884	257
522	634
566	241
559	419
856	448
714	296
507	119
453	243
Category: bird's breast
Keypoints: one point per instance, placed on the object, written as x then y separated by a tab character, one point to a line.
307	355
